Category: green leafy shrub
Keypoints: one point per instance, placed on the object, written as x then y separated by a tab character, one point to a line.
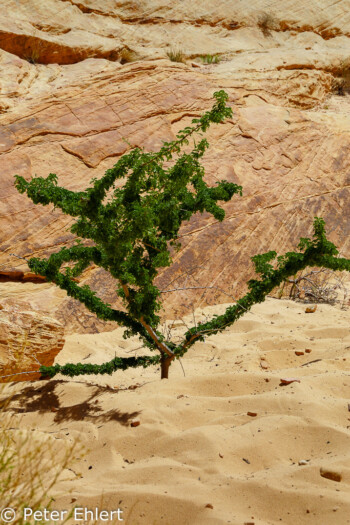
210	59
133	229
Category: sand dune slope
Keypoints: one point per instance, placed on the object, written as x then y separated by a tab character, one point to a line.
196	445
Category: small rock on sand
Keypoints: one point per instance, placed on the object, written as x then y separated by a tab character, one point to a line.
334	475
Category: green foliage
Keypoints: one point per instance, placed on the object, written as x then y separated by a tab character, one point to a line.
210	59
317	252
134	226
117	363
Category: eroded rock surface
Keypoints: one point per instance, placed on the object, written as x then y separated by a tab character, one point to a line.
28	339
287	144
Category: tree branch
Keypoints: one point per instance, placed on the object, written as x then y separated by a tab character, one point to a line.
289	265
160	345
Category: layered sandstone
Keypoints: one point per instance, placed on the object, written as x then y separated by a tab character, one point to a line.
28	340
69	111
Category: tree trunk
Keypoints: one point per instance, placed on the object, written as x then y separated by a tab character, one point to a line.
164	366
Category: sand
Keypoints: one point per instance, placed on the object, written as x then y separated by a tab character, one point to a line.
197	457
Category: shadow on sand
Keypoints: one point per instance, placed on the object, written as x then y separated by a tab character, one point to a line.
43	399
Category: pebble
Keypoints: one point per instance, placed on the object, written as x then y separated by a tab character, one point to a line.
330	474
311	309
302	462
289	380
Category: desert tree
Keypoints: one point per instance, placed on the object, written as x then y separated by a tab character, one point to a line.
131	231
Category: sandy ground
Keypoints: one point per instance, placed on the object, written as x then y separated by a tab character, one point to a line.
197	456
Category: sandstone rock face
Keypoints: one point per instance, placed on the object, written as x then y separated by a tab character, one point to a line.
69	97
28	339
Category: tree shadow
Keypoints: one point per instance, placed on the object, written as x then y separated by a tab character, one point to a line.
43	399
